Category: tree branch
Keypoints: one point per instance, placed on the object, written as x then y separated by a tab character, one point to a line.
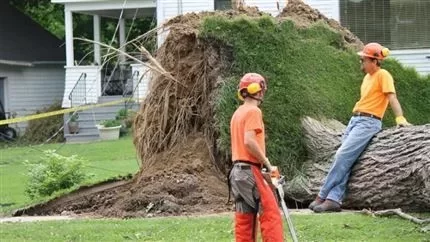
398	212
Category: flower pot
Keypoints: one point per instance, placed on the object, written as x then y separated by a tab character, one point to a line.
123	129
73	127
109	133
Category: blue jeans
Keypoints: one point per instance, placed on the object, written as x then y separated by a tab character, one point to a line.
358	133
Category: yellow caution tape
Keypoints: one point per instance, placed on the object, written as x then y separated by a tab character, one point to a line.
58	112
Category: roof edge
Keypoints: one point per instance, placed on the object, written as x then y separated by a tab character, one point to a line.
31	64
16	63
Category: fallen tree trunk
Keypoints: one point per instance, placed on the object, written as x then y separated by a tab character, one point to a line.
393	172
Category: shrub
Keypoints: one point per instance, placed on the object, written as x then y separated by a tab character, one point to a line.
127	115
110	123
121	114
40	130
54	173
74	117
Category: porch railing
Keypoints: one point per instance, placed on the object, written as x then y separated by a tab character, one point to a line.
78	94
132	86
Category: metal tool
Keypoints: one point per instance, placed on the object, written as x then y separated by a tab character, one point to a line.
278	182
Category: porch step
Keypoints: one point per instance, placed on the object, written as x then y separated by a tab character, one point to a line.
88	119
82	137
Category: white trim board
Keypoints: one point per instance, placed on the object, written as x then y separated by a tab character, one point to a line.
103	5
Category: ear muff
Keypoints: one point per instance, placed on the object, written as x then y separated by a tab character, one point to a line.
253	88
239	95
385	52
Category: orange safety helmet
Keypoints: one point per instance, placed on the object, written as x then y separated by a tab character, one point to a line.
251	84
374	50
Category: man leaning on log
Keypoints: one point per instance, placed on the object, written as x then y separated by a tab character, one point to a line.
377	90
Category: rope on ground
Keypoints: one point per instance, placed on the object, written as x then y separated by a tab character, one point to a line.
396	211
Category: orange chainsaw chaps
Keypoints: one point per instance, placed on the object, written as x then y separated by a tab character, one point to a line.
270	216
245	229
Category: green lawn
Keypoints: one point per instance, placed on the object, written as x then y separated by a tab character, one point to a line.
110	159
327	227
105	160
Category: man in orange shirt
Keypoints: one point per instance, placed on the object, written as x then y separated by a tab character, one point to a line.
377	90
252	194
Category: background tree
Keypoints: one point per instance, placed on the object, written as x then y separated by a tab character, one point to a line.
51	17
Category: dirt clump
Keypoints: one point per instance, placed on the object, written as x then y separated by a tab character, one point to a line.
182	181
304	15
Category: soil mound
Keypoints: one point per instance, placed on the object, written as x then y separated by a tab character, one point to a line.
304	15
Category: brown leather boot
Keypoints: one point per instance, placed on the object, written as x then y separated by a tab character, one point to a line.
316	202
327	206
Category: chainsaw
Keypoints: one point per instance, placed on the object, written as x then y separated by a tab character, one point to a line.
277	181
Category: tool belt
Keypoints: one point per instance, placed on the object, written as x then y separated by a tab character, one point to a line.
366	115
246	166
249	164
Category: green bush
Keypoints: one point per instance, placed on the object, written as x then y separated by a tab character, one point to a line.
309	73
126	115
121	114
74	117
40	130
110	123
54	173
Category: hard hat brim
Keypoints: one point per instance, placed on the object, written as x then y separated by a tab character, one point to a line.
361	53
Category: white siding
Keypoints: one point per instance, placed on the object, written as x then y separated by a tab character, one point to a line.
93	83
416	58
268	6
30	89
140	81
167	9
330	8
419	59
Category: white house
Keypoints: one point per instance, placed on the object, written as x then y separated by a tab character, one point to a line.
401	25
122	10
31	65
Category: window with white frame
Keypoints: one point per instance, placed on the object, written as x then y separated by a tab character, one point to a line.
397	24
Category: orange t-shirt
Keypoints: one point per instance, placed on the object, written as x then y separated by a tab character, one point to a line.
374	90
246	118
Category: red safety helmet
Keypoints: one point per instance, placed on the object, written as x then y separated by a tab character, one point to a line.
251	84
374	50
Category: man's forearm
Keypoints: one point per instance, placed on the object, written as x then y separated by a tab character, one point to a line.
255	150
397	109
395	105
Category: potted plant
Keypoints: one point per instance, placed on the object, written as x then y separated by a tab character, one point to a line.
126	117
109	129
121	116
73	123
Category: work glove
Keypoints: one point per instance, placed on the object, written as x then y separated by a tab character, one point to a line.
402	122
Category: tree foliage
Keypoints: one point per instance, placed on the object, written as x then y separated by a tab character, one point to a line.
51	17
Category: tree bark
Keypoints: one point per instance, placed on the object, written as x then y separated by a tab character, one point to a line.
393	171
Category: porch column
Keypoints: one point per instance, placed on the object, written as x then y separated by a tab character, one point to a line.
122	39
68	20
97	55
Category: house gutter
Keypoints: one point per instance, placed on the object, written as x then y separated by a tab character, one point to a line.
16	63
30	64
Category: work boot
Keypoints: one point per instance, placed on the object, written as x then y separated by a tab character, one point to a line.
316	202
327	206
